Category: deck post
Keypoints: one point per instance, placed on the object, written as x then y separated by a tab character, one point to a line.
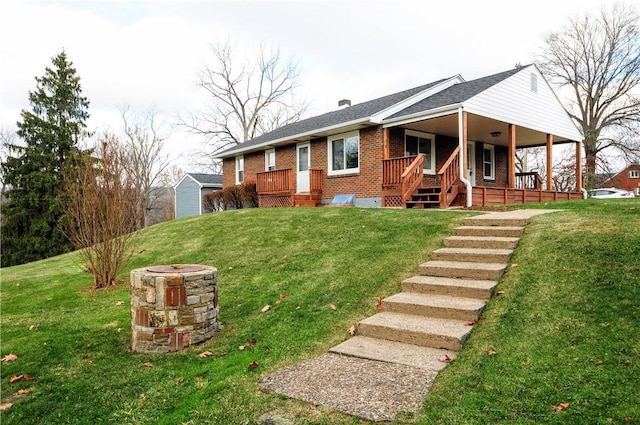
386	150
512	157
549	161
578	167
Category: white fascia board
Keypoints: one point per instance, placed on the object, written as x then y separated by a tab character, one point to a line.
379	117
424	115
292	138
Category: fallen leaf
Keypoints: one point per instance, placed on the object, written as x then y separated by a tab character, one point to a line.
119	330
446	359
143	398
198	378
560	407
27	377
9	358
379	303
265	308
514	265
333	307
32	328
490	352
230	268
5	406
472	322
352	330
267	352
24	391
298	308
251	342
15	378
284	257
241	347
120	303
500	293
180	380
147	364
279	300
205	354
283	295
254	364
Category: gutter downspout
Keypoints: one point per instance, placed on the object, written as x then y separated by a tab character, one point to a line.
467	183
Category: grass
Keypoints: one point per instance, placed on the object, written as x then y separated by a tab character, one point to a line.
563	331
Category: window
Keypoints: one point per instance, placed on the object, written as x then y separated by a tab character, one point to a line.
416	142
634	174
270	160
239	169
344	153
488	162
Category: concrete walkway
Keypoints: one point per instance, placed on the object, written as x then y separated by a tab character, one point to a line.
389	366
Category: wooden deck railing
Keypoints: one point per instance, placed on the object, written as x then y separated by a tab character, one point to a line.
530	180
412	178
393	168
275	182
448	174
315	181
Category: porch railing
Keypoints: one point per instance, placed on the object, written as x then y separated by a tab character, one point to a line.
315	181
412	178
448	174
278	182
530	180
393	168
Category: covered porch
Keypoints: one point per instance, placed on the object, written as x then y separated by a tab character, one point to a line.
453	181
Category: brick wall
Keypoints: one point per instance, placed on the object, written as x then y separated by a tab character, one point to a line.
623	181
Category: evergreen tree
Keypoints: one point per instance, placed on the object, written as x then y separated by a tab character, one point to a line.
49	132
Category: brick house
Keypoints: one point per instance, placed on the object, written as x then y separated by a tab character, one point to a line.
449	142
628	179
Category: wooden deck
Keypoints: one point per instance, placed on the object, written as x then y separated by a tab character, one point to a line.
278	189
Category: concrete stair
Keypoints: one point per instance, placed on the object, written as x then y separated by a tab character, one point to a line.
426	323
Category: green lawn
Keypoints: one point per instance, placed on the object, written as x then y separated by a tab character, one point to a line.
564	330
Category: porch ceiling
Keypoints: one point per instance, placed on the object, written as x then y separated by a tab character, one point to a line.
479	129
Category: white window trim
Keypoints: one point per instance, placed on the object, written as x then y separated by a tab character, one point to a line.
266	159
431	168
330	170
239	161
634	174
492	149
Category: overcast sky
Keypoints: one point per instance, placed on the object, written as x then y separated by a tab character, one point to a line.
146	53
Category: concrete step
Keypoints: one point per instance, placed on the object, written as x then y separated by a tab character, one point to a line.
489	242
464	270
500	231
422	331
395	352
490	220
472	255
470	288
432	305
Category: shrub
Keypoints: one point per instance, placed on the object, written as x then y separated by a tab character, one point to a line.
232	198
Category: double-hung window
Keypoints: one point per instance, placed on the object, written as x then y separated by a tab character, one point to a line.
344	153
489	162
634	174
239	169
417	142
270	160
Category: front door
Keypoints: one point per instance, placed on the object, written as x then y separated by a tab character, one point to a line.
471	162
302	167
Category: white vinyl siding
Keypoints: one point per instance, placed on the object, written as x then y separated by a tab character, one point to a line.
512	101
343	153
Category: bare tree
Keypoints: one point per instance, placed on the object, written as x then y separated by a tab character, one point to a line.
597	56
246	97
102	210
144	140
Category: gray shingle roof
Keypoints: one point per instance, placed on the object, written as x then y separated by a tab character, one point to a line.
455	94
207	179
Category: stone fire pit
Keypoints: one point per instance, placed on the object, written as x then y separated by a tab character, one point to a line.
173	307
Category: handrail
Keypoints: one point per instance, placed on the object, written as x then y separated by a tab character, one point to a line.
529	180
392	169
315	180
271	182
412	178
448	174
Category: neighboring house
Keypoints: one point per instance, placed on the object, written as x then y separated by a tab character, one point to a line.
628	179
190	190
450	142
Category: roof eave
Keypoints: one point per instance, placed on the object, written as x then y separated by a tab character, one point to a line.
423	115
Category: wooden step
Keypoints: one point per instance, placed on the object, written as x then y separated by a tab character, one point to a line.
431	305
489	242
482	271
500	231
472	255
470	288
422	331
395	352
423	204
